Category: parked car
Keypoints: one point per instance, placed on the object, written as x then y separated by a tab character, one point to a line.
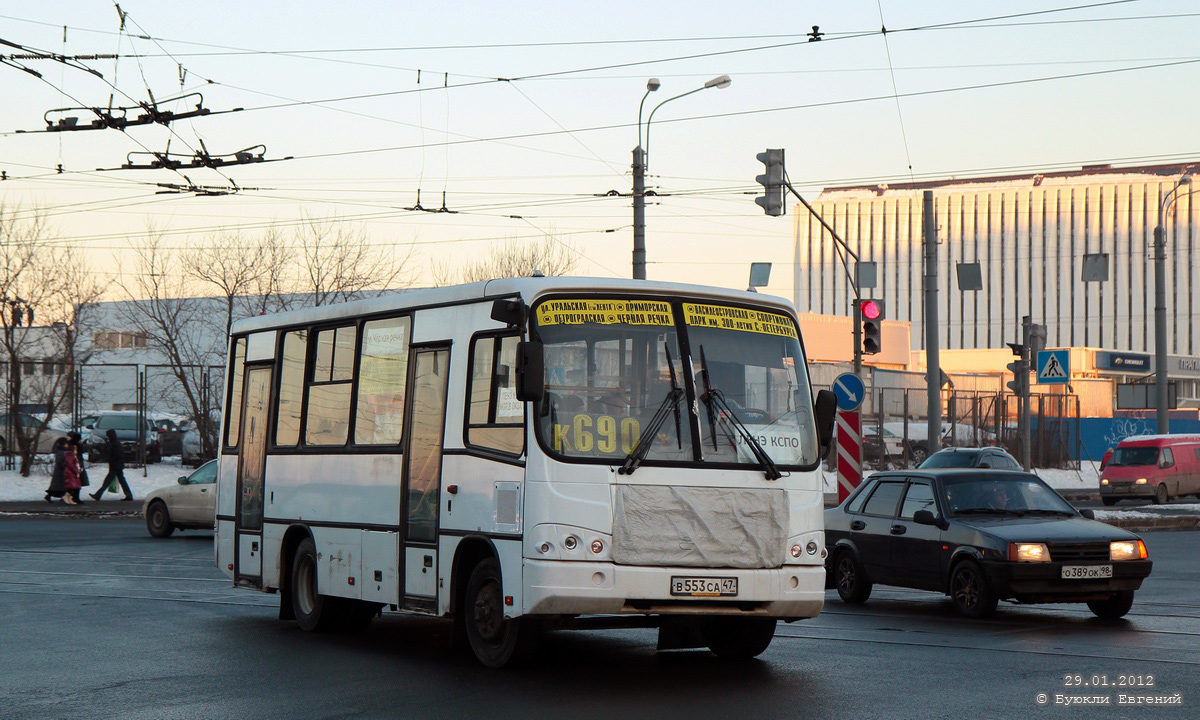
170	435
1159	467
189	504
45	442
881	449
988	457
125	423
980	536
957	434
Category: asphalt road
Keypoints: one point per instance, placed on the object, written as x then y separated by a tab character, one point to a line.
97	620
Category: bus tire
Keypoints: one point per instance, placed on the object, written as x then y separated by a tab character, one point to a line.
494	640
313	611
738	638
358	614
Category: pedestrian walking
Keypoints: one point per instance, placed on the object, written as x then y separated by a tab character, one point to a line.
116	468
71	477
56	488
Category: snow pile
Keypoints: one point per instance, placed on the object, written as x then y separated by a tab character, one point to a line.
13	487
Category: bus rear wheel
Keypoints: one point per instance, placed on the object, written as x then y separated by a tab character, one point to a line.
495	640
739	638
313	611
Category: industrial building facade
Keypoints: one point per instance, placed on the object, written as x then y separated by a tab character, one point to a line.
1030	234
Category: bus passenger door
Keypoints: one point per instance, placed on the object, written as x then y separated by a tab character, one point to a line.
251	468
429	368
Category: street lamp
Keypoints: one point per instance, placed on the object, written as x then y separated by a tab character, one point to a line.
1160	307
640	163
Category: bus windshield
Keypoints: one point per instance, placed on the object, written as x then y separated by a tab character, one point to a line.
612	366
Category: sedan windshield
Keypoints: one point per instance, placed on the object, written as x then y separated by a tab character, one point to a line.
949	460
995	493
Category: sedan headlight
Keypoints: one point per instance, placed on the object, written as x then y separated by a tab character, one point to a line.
1028	552
1127	550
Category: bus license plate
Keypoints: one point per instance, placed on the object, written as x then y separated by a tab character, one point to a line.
704	586
1086	572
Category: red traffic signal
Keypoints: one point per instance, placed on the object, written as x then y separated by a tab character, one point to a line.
870	309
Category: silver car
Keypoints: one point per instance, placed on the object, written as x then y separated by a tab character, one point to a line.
189	504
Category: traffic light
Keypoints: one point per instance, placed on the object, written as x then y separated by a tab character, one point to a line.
871	312
772	182
1020	382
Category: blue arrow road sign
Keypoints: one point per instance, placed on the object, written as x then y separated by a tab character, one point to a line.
1054	366
849	390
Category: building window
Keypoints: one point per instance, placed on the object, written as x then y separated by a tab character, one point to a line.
118	340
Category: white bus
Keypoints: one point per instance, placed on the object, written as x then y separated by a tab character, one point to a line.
529	454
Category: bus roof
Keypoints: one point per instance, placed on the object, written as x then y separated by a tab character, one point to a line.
528	288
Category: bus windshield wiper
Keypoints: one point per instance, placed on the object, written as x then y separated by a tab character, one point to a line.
669	404
714	398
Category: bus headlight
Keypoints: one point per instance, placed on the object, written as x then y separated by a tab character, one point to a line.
811	548
796	551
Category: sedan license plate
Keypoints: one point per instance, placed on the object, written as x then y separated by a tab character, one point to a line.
689	586
1086	572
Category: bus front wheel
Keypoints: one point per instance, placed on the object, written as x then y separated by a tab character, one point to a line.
739	638
495	640
313	611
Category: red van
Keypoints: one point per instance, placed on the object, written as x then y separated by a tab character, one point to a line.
1152	466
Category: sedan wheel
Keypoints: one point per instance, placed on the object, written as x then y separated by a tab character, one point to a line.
920	454
1114	607
970	592
158	520
848	576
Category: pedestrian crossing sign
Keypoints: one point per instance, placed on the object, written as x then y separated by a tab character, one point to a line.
1053	366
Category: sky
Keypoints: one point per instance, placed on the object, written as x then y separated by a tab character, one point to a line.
523	116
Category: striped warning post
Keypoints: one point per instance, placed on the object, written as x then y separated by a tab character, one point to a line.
849	453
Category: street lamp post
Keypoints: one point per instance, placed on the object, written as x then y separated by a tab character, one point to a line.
641	162
1160	307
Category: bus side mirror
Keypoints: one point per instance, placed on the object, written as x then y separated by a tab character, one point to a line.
531	371
510	312
825	407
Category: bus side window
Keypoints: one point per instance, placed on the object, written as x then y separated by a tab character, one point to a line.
237	367
495	418
327	414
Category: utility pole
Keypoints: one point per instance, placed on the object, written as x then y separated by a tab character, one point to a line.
933	378
639	212
1026	426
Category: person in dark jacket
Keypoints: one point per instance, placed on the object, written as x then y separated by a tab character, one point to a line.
116	467
57	487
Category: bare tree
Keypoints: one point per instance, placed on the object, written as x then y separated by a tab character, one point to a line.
339	265
521	258
37	278
160	306
248	274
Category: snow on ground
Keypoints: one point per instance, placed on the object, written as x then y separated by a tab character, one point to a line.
13	487
141	481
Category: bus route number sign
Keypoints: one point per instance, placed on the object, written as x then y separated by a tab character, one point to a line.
691	586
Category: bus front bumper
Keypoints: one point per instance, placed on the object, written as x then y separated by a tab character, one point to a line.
588	588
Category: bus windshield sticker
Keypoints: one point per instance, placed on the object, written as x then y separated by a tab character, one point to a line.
724	317
605	312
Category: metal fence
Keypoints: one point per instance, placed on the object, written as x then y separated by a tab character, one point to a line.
154	392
